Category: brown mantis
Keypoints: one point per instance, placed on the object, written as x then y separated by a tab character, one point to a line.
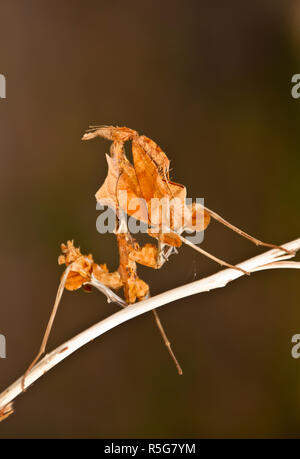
147	178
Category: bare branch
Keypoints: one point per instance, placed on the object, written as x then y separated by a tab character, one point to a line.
274	258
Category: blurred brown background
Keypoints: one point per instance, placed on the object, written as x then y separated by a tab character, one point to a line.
210	82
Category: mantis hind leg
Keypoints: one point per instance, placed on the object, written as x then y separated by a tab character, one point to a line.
242	233
49	326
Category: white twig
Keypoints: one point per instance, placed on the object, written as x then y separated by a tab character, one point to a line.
274	258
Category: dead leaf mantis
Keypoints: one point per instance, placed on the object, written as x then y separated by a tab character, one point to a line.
147	178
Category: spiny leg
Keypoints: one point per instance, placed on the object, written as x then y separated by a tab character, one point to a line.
243	234
160	256
165	252
49	325
148	254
